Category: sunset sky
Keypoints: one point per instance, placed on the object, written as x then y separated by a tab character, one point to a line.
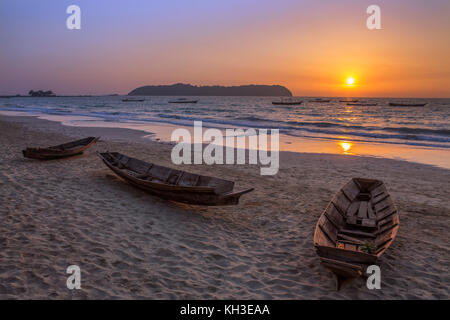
309	46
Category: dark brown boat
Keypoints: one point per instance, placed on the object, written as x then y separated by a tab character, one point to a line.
287	103
349	101
401	104
365	104
356	228
171	184
60	151
133	100
183	101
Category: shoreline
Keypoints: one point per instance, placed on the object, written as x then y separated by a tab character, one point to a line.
133	245
288	143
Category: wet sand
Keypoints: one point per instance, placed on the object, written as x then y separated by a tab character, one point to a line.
131	245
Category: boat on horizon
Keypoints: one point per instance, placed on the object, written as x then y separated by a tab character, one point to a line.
406	104
287	102
363	104
349	101
183	100
133	100
320	100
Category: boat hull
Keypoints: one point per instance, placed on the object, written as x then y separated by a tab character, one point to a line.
287	103
187	101
356	228
394	104
198	195
59	151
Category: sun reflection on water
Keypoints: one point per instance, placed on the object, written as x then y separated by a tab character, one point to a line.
346	147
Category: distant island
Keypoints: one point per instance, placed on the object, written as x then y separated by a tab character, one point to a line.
41	93
181	89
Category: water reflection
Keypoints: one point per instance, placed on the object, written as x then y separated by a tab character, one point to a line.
346	147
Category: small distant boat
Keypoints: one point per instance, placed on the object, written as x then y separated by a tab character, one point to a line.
133	100
362	104
60	151
349	101
356	228
403	104
172	184
183	100
287	103
319	100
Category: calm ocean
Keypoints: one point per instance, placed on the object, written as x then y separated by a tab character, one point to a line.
423	127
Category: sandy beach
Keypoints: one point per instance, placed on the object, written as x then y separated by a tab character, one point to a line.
131	245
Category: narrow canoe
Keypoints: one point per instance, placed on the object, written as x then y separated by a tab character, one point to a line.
287	103
172	184
183	101
356	228
362	104
133	100
399	104
60	151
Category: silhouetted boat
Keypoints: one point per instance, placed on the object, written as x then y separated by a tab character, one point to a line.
402	104
133	100
356	228
319	100
287	103
172	184
182	100
362	104
349	101
60	151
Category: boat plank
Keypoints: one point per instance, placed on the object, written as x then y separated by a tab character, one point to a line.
362	211
358	233
341	202
370	214
328	228
351	190
334	216
386	203
353	209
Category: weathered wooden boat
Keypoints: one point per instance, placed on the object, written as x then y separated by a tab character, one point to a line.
404	104
60	151
172	184
362	104
356	228
287	103
133	100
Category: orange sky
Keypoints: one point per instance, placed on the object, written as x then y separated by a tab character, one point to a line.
308	46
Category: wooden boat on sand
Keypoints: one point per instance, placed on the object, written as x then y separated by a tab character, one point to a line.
356	228
60	151
171	184
404	104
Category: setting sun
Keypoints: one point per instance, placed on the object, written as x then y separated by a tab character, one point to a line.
350	81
